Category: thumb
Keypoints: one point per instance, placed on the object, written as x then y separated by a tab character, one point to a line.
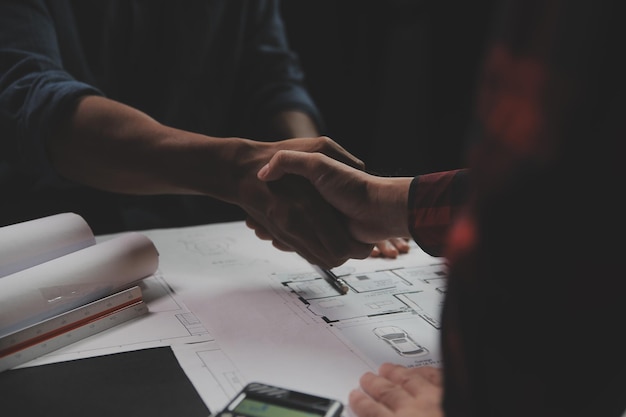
264	173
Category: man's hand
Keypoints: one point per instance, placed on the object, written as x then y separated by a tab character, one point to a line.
391	248
398	391
375	208
290	211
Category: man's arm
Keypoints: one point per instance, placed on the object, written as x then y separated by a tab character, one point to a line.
114	147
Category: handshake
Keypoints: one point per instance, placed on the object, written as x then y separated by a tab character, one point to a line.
358	214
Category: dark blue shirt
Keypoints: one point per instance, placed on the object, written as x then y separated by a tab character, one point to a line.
213	67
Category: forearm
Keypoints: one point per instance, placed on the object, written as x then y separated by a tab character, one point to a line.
114	147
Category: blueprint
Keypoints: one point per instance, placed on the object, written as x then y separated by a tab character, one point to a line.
274	319
234	310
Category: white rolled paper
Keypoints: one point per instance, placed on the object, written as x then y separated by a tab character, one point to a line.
79	277
33	242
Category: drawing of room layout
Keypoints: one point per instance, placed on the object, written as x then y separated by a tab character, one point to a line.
388	315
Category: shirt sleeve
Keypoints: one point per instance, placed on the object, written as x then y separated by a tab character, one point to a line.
274	78
36	93
434	201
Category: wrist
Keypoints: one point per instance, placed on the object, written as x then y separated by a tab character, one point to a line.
392	205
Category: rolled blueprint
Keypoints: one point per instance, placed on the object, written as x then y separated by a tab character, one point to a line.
33	242
45	290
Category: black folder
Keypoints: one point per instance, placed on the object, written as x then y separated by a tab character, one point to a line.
147	382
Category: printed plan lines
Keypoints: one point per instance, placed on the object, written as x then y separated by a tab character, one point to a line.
273	318
388	315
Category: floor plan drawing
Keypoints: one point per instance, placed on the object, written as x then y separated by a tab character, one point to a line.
235	310
275	319
387	315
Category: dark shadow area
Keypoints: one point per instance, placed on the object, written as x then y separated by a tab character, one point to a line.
394	79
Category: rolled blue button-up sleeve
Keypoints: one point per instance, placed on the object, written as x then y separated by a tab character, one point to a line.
274	78
221	68
35	90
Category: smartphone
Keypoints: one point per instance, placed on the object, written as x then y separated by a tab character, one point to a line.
262	400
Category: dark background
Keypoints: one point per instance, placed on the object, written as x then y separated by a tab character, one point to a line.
394	79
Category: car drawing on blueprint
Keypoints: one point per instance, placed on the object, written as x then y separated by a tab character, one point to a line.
400	341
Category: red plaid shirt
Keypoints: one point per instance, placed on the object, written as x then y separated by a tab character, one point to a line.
534	321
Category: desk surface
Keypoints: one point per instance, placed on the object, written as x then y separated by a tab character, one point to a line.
234	310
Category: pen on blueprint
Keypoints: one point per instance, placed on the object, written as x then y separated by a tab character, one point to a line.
339	284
